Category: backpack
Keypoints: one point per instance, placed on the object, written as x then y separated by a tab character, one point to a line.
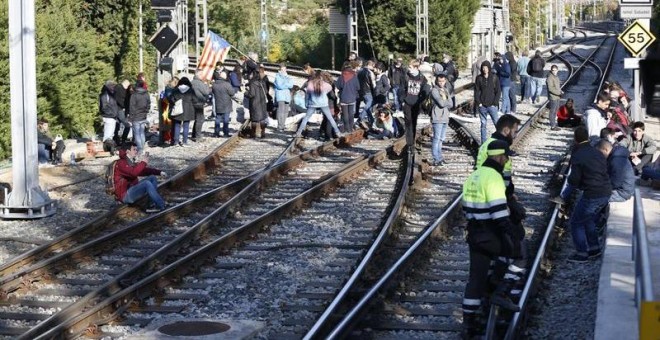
437	69
537	65
110	178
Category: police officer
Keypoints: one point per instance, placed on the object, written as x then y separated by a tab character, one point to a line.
490	234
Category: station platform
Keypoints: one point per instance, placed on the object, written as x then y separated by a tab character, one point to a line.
617	316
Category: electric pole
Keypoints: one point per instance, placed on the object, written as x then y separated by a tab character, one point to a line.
422	27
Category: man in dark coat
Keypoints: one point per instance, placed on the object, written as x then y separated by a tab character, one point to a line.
223	92
486	96
257	95
415	90
122	96
202	91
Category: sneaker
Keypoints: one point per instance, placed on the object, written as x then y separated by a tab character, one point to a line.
578	258
153	210
558	200
594	254
513	154
556	128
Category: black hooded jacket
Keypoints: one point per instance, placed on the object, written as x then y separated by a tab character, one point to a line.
487	89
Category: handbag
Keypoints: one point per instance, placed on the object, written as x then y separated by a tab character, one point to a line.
177	110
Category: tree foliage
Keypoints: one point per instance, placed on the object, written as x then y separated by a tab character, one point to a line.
80	44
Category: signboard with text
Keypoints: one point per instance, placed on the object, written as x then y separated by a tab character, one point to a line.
635	12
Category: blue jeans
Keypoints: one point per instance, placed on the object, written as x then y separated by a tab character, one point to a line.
506	102
224	118
525	87
439	132
536	88
649	173
138	134
513	105
395	93
147	186
483	112
365	114
177	129
326	112
43	154
616	197
583	223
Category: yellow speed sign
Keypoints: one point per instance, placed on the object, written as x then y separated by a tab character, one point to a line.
636	38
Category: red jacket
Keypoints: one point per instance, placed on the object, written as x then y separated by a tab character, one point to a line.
563	114
127	173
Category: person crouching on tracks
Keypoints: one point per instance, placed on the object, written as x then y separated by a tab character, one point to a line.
128	188
490	235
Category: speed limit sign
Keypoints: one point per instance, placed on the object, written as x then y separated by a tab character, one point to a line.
636	38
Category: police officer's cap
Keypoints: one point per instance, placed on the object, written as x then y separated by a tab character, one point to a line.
498	147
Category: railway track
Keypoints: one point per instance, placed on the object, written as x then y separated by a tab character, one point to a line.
420	296
180	189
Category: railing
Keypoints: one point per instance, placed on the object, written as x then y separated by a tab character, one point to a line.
640	255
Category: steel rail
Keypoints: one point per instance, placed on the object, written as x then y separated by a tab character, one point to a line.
66	240
346	324
35	272
321	324
76	323
246	186
515	324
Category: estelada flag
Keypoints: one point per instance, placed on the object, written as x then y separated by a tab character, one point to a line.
215	50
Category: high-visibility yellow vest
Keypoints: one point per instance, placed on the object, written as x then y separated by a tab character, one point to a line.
484	195
483	155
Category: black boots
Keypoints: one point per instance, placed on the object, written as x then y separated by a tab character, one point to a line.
473	327
501	296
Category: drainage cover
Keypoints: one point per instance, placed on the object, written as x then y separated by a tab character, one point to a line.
193	328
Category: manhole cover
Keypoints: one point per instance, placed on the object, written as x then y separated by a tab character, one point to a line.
193	328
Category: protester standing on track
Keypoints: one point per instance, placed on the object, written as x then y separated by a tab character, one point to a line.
202	91
554	95
525	79
535	70
223	94
109	109
486	97
182	95
415	90
349	87
283	85
140	104
441	96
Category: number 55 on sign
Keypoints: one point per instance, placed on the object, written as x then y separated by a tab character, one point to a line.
636	38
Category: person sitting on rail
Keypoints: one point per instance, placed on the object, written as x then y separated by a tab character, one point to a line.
49	149
622	176
442	101
651	175
566	116
588	173
490	235
385	125
641	147
596	116
128	188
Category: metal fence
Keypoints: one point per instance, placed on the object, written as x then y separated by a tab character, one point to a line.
640	255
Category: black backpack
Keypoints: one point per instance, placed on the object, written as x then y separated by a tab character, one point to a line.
110	178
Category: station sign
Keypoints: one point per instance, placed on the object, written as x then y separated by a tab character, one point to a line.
635	12
636	38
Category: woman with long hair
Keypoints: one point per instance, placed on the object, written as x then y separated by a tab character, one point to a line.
317	99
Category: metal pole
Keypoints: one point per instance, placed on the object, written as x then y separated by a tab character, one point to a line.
140	39
26	200
353	27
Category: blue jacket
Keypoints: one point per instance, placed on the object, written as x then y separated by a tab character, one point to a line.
348	86
283	85
503	72
621	172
